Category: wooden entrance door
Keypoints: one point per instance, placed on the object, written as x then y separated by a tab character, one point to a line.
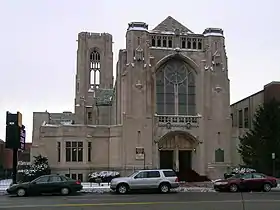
166	159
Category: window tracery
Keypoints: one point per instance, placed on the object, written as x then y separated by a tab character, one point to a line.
95	66
175	89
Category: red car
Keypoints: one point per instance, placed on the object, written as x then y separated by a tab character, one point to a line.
246	182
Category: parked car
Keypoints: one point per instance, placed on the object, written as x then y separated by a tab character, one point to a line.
50	184
246	182
162	179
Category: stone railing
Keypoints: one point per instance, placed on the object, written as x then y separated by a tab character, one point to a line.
177	121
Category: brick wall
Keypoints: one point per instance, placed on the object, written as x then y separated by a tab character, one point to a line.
7	155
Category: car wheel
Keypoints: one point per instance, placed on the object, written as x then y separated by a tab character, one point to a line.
266	187
164	188
122	188
65	191
233	188
21	192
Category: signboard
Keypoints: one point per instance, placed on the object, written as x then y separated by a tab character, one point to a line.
15	131
140	153
22	138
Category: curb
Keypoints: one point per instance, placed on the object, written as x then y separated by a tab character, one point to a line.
178	190
105	191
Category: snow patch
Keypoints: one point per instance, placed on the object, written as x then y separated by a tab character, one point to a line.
103	174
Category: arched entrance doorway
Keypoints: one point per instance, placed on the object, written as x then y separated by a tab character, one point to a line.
176	150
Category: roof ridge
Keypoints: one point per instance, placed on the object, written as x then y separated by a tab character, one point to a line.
170	24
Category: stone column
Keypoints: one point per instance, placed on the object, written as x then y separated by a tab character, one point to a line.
156	159
176	155
85	151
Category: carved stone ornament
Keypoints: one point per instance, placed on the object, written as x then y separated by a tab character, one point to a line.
188	125
177	31
139	85
177	49
139	54
168	125
218	89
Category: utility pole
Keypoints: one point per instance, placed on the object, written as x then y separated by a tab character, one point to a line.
273	163
15	138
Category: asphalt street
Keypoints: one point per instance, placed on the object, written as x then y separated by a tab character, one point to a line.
178	201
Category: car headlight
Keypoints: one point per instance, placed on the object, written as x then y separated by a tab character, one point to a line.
220	183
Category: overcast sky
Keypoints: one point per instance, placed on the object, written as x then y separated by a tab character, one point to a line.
38	44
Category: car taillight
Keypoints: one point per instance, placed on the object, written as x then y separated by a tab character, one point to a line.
78	182
177	180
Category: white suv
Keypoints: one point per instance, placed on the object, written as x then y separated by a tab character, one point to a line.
161	179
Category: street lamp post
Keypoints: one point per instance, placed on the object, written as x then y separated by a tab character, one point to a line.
144	160
273	163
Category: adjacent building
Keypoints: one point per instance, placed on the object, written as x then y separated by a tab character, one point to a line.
242	114
6	155
168	107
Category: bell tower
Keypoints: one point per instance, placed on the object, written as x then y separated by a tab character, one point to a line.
94	72
217	97
137	79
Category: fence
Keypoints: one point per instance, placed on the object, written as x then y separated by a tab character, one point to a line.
5	174
5	178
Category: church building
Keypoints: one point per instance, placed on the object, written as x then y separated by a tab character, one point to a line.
167	107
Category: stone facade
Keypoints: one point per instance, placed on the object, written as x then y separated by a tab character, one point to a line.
169	105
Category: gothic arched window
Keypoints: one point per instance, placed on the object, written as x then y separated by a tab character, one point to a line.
175	89
94	69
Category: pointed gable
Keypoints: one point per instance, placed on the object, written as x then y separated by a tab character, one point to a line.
170	24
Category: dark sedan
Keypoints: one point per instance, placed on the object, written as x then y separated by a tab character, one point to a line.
48	184
246	182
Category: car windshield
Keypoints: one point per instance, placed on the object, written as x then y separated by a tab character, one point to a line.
134	173
236	176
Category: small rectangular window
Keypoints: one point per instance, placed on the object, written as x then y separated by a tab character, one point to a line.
67	175
153	41
194	44
89	116
246	117
68	152
80	151
80	177
189	44
89	151
78	87
169	174
58	151
74	154
183	43
240	118
55	179
199	44
74	176
170	42
153	174
158	41
164	41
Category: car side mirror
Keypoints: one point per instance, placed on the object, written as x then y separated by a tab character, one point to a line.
33	183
